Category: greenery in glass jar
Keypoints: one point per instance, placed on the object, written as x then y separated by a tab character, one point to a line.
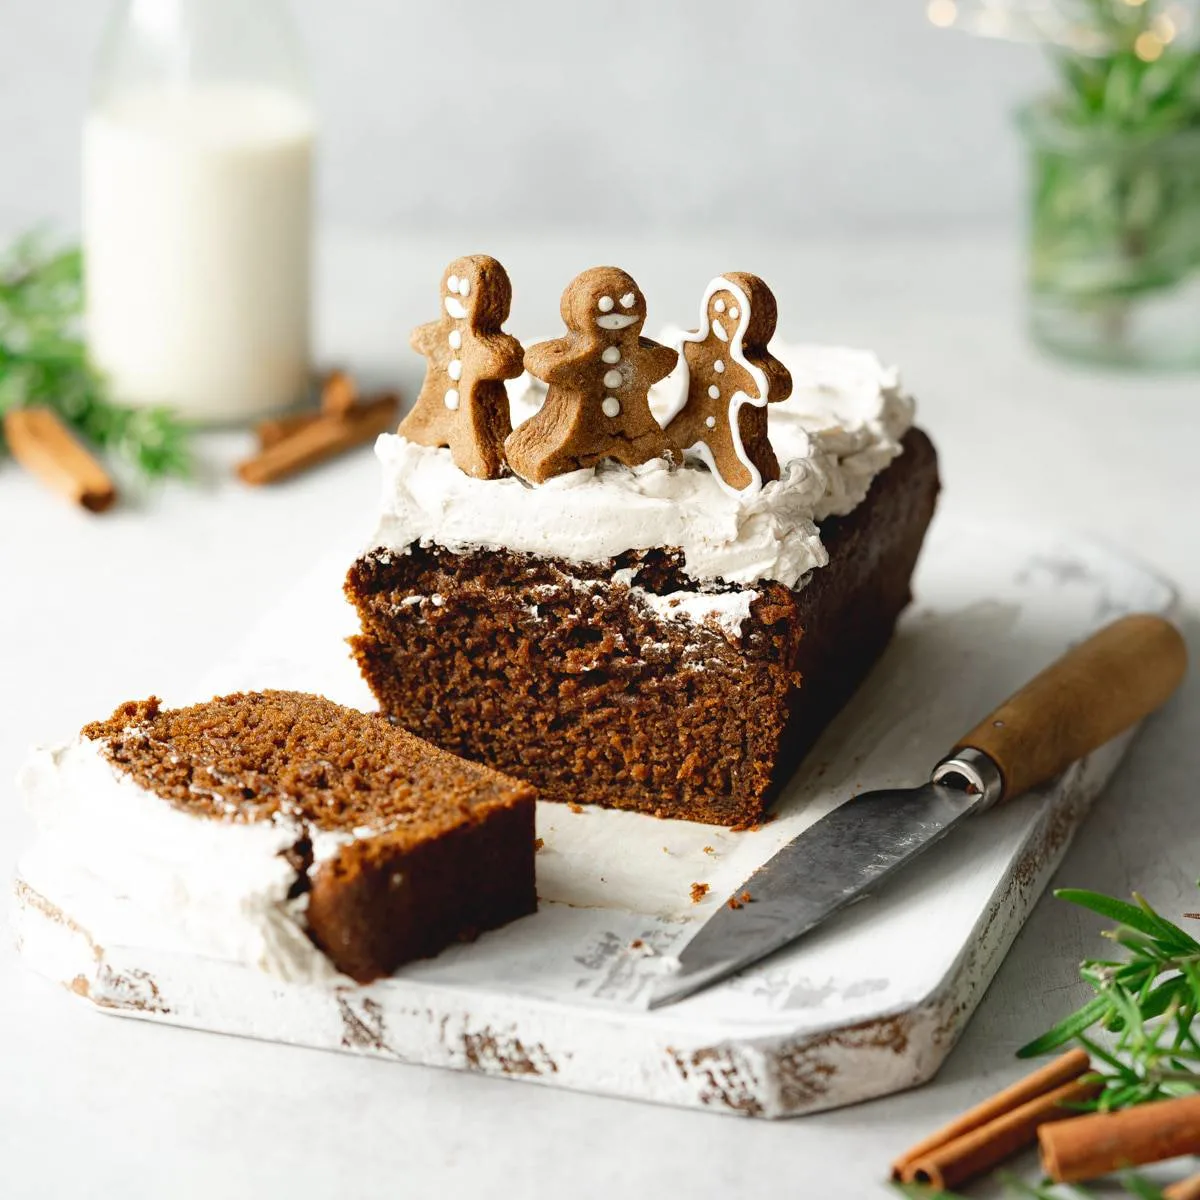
1116	159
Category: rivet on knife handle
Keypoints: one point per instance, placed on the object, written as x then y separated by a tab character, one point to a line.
1097	690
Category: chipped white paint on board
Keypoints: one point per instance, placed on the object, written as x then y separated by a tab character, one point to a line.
867	1005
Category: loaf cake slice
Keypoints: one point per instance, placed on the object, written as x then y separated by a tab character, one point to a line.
646	638
290	832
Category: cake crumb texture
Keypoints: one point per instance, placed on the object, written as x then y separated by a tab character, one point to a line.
428	848
553	672
249	756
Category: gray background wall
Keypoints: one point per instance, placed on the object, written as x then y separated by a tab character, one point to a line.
776	115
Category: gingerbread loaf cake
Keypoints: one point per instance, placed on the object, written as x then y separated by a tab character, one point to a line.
287	832
660	619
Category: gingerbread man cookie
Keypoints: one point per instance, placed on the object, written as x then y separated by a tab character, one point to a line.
599	376
463	403
731	377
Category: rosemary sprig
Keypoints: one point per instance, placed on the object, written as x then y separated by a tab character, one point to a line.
43	361
1147	1002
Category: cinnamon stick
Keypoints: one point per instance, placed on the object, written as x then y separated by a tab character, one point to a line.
977	1152
46	448
322	438
339	393
1185	1189
277	429
1094	1145
339	396
1062	1070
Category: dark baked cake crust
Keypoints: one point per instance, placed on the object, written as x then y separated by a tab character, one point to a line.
546	669
442	849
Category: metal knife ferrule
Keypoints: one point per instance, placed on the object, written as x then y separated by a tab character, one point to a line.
972	770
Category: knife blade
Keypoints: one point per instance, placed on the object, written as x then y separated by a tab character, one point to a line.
1094	692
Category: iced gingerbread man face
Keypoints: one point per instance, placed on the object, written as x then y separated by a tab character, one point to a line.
460	289
629	312
603	302
725	315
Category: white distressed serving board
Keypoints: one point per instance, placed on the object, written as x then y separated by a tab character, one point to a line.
869	1004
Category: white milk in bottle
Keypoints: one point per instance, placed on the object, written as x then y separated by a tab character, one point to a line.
197	211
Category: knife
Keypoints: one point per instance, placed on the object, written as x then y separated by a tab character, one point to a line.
1098	689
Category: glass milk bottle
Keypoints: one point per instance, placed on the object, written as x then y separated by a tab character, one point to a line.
197	209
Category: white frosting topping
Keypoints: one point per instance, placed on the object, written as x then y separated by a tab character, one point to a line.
841	426
220	886
726	609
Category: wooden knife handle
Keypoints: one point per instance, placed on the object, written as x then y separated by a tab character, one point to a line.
1097	690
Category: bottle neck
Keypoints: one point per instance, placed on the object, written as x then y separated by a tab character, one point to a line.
153	45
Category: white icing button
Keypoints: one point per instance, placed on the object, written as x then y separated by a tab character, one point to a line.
454	370
612	354
711	422
613	379
719	366
719	306
733	312
455	340
627	300
715	392
605	304
611	406
452	283
451	399
464	288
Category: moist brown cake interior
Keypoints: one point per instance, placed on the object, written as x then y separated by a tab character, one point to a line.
249	756
551	671
442	849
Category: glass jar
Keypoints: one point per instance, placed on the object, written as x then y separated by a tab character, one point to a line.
1114	242
197	209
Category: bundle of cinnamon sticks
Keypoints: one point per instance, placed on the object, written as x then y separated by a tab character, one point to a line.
1045	1107
995	1130
345	419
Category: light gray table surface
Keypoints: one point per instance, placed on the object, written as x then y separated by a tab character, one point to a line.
96	610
